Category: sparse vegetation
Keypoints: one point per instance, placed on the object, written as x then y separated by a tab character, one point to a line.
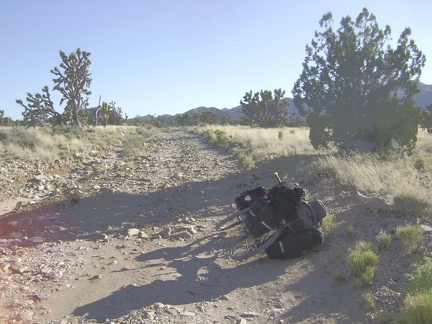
410	236
362	260
384	239
328	223
417	307
44	144
401	181
338	277
368	299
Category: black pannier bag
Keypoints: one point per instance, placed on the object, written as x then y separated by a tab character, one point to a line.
284	199
284	194
249	197
264	216
292	245
267	213
306	216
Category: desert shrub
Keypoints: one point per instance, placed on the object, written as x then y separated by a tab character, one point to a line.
384	239
417	305
420	280
416	309
221	135
328	223
411	236
338	277
362	262
68	131
350	229
280	135
368	299
147	131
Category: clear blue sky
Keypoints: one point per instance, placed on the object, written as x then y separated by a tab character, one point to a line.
168	56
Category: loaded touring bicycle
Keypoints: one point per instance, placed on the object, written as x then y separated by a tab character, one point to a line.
278	221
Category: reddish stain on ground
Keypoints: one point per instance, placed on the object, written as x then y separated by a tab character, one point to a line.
29	226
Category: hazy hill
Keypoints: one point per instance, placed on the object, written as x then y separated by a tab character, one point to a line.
422	99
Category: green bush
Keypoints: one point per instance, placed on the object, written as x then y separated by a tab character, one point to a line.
362	261
384	239
417	307
411	236
421	278
221	135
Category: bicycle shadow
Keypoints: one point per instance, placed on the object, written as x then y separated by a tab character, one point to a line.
188	274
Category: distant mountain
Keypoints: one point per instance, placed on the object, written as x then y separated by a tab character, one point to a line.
422	99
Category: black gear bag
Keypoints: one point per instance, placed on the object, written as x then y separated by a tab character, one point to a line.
292	245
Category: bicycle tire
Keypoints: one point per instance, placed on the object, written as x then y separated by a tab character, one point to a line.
220	225
236	254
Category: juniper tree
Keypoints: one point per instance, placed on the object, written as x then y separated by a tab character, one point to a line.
355	86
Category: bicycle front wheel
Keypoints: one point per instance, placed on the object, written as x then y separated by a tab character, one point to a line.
247	246
224	223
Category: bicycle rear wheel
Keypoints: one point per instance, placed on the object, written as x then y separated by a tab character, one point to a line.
247	246
222	225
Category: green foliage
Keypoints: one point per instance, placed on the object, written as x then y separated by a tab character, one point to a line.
417	307
369	300
426	119
355	88
208	117
338	277
362	261
221	136
265	109
420	280
115	115
350	229
328	223
411	236
384	239
5	121
105	111
39	110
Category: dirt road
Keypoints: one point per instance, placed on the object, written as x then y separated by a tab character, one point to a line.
143	249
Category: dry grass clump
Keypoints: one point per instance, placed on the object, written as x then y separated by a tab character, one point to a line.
43	144
261	143
367	172
402	180
396	179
